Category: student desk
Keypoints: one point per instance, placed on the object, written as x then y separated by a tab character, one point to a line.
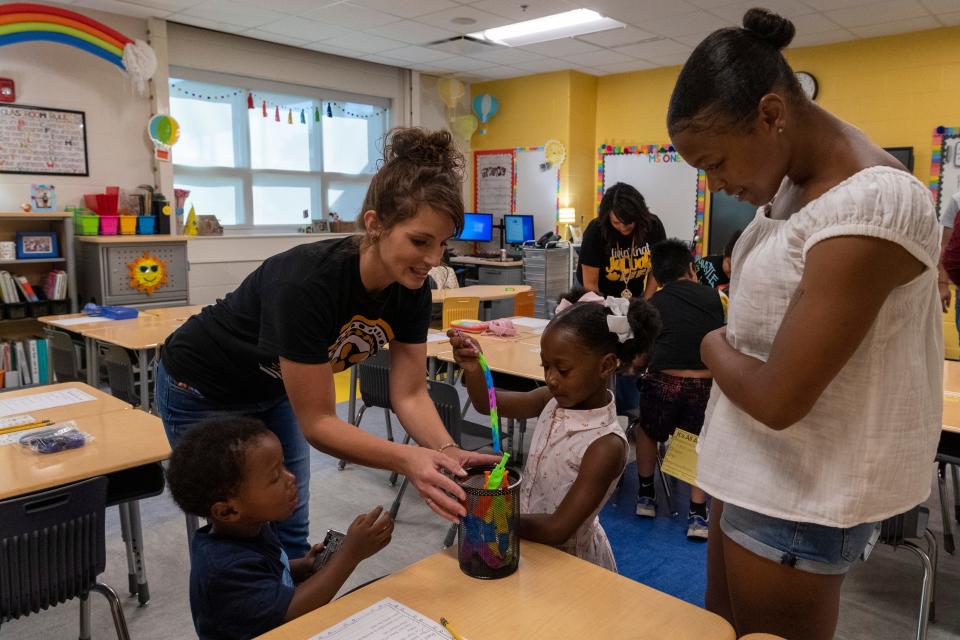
516	357
552	595
174	313
486	262
127	447
488	294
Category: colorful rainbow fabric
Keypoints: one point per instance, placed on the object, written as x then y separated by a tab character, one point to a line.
492	395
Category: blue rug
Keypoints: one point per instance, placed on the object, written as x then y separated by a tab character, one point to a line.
655	551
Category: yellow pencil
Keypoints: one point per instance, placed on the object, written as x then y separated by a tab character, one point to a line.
24	427
446	625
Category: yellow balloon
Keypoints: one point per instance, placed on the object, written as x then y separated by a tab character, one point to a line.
450	90
464	126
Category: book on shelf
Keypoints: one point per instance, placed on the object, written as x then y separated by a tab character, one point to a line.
55	285
24	362
16	288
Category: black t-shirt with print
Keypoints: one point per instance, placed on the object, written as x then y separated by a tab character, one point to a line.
307	305
709	270
688	311
622	261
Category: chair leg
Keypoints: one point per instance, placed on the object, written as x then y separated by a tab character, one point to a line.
356	422
395	475
924	617
119	621
451	535
519	447
934	553
944	512
123	509
395	507
956	493
85	616
386	417
666	487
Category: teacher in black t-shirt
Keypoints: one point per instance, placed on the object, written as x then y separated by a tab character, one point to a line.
270	348
615	260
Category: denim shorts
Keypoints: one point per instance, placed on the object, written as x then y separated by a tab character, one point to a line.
808	547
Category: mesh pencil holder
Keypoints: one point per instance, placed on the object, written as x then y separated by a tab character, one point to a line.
488	543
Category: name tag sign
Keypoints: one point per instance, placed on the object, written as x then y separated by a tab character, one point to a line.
681	459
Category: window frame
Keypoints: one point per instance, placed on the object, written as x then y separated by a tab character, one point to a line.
243	169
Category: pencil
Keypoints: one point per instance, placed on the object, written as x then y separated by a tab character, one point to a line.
446	625
24	427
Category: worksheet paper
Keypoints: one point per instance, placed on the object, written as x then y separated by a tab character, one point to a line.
436	337
386	620
44	400
69	322
533	323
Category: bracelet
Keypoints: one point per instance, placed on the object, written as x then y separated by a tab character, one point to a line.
446	446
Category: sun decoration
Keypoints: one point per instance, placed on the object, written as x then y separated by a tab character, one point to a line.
147	273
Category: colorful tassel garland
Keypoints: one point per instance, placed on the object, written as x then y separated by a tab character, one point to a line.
290	116
249	101
316	114
276	113
303	117
264	108
329	111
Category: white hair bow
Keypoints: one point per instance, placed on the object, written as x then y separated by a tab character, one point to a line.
617	320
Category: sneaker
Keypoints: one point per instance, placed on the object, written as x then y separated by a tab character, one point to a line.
696	527
646	507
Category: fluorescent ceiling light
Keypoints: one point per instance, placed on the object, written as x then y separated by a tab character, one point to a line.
559	25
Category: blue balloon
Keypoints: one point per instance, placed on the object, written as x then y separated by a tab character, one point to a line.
485	106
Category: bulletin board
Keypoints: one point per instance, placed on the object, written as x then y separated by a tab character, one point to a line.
673	190
37	140
945	166
532	186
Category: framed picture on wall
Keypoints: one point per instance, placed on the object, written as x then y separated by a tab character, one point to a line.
42	141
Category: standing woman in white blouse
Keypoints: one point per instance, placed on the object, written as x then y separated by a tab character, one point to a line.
825	414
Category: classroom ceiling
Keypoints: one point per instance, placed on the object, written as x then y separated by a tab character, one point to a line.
402	32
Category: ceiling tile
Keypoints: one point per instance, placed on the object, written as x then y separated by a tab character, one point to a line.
826	37
813	23
895	11
949	19
172	5
900	26
406	9
941	6
494	73
417	54
325	47
274	37
304	28
626	67
126	8
639	12
351	16
694	39
514	9
506	55
709	4
828	5
670	59
561	47
617	37
699	22
544	65
412	32
481	19
597	58
591	71
233	13
212	25
363	42
786	8
460	63
649	50
291	7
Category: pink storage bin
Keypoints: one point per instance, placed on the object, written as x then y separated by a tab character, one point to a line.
108	225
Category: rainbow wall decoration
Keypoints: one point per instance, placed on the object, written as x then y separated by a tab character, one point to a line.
23	22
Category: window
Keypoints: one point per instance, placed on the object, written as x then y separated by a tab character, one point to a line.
312	153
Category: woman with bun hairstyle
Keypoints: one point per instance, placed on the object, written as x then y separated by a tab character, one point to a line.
825	412
270	348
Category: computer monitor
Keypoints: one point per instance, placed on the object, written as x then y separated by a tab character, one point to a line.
517	229
477	227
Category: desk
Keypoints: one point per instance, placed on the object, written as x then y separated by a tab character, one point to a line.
103	403
516	358
174	313
552	595
486	262
486	292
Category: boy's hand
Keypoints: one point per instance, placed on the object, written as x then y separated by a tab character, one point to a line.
311	556
465	350
369	533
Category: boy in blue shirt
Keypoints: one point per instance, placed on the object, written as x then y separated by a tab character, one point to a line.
242	584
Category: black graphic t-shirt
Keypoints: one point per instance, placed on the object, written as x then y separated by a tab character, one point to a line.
709	270
307	305
622	263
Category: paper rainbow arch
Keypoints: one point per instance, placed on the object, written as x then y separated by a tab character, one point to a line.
24	22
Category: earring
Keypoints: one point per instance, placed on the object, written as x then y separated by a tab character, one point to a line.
780	130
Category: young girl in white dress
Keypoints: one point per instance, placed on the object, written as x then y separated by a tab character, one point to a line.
578	450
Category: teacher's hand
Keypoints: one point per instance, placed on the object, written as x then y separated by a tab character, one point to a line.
424	467
470	458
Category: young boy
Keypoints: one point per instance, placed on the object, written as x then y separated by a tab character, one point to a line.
230	471
676	387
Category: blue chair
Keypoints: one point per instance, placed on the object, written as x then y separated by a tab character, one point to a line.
52	548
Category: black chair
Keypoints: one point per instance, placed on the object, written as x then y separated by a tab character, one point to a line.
52	548
948	456
65	356
374	376
447	401
897	531
123	374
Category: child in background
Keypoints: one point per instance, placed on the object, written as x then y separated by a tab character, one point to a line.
578	450
230	471
676	387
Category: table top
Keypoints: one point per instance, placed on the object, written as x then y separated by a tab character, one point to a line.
55	321
482	291
174	313
552	595
487	262
136	335
122	440
515	358
103	403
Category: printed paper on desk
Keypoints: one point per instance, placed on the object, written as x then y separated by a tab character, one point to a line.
44	400
681	459
69	322
385	619
533	323
437	337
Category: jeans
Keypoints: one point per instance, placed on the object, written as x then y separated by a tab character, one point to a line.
181	408
626	395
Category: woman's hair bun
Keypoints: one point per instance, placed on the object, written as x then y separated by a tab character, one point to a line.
424	148
773	29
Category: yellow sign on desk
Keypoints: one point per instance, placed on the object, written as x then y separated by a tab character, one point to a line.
681	459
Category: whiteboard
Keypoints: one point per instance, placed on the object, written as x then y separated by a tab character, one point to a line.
949	172
537	188
493	180
667	183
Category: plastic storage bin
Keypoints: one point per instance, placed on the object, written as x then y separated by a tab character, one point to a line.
39	308
15	310
128	225
86	224
58	307
146	225
109	225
